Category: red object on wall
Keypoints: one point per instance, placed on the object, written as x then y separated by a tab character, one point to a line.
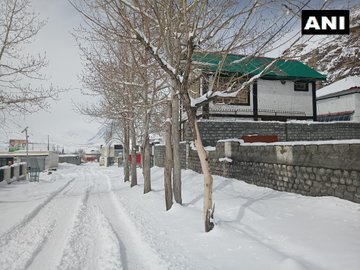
260	138
90	159
138	159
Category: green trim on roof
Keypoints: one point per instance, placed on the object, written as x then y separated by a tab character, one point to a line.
252	65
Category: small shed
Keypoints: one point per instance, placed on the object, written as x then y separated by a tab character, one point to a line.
70	158
339	101
39	160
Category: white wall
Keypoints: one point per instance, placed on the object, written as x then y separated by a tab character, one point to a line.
356	116
337	104
274	98
341	104
52	161
273	95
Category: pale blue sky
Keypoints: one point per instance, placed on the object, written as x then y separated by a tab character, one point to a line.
65	126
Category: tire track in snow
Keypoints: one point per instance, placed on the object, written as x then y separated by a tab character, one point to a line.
123	253
71	199
139	254
23	242
76	233
92	243
134	228
169	253
7	236
162	252
21	251
100	189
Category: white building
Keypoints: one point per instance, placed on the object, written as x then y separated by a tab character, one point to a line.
339	101
283	90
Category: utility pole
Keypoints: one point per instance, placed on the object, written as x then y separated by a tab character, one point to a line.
48	145
27	145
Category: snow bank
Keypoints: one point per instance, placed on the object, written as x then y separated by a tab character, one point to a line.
89	218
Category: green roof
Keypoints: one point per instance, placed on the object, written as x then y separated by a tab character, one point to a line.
253	65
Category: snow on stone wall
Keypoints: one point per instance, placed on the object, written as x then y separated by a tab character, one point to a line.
212	131
309	169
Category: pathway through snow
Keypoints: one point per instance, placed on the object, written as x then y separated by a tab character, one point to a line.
78	226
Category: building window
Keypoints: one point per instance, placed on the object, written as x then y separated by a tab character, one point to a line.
301	86
226	83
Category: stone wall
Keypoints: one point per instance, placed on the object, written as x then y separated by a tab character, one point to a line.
183	154
312	169
212	131
187	158
159	154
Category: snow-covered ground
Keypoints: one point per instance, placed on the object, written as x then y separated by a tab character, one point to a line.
86	217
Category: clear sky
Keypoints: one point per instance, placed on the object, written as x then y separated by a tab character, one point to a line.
65	127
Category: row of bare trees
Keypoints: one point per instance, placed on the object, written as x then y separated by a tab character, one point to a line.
139	59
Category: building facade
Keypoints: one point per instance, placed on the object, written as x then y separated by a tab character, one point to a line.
268	89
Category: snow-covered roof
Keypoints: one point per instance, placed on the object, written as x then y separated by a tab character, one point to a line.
22	153
344	84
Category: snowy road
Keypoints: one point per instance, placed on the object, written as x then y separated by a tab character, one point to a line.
79	225
86	217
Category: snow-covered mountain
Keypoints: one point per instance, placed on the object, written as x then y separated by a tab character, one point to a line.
336	56
98	138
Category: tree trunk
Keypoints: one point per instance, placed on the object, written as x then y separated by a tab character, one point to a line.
133	154
205	167
146	144
208	180
126	151
168	159
176	145
146	165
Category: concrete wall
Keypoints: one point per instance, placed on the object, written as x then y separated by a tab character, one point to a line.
356	116
314	170
336	104
72	159
212	131
52	161
340	104
159	154
15	172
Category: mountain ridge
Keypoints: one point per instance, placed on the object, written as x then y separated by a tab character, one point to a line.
336	56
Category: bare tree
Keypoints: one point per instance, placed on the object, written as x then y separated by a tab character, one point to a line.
18	27
153	94
130	87
168	162
126	153
172	32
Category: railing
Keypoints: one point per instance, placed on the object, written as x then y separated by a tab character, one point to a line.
13	172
